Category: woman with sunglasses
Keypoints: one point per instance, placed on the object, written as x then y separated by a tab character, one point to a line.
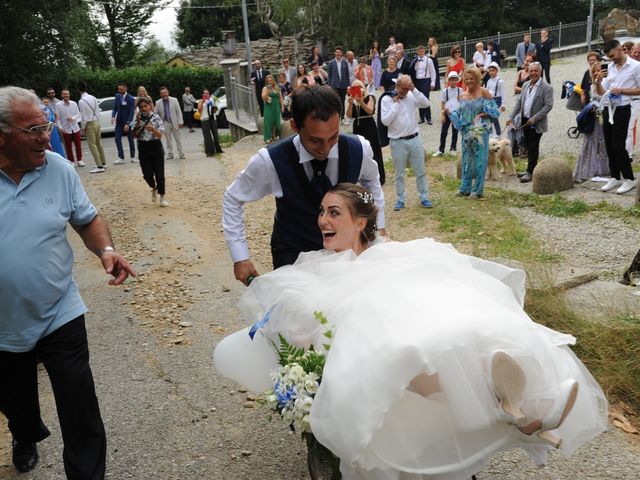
456	62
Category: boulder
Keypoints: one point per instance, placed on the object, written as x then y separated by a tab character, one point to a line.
618	19
552	175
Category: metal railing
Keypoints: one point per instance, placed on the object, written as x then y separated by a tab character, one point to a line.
243	101
563	35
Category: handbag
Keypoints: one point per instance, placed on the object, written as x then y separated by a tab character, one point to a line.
197	115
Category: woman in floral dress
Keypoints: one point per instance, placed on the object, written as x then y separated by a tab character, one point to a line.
473	120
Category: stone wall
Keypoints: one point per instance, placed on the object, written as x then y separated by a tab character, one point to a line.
268	51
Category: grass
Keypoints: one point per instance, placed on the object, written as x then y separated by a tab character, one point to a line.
226	140
609	346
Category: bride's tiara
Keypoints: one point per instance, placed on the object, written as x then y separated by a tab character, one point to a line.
366	197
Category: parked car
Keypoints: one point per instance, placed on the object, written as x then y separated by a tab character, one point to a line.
106	106
221	102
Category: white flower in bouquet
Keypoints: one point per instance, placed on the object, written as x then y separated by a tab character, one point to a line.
296	373
311	384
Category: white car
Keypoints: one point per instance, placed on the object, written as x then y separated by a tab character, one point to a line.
106	106
221	103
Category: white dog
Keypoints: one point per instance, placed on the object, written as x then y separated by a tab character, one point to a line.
500	151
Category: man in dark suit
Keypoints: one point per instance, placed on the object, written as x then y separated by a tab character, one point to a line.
402	59
257	78
533	104
338	71
543	53
122	113
523	49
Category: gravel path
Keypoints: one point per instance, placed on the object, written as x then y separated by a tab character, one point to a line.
168	414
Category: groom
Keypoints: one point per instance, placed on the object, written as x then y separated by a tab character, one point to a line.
298	171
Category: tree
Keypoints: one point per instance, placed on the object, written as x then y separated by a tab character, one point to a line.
127	27
202	27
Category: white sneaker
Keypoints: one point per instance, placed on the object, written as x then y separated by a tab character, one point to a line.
119	161
97	170
626	186
611	184
182	157
134	160
154	195
169	156
438	154
75	164
81	163
346	122
163	201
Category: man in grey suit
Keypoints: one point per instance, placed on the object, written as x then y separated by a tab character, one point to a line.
533	105
168	109
522	49
288	70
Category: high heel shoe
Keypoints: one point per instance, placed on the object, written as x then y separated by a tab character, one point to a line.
508	380
554	418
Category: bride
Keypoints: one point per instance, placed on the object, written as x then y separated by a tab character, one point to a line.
434	364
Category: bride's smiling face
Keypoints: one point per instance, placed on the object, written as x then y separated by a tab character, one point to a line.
340	230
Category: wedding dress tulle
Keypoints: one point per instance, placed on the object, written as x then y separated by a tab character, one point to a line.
402	309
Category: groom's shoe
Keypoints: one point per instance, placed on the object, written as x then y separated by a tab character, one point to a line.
25	456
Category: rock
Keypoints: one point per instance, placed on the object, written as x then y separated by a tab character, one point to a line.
245	453
186	324
620	20
552	175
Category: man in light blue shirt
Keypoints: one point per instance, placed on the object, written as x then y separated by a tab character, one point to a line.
41	311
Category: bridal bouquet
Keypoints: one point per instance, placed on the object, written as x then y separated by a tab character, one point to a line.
297	379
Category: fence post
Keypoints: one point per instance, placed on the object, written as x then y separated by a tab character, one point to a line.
589	30
464	43
234	97
529	35
560	35
498	38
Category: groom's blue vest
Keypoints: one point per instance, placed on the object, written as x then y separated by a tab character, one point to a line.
295	227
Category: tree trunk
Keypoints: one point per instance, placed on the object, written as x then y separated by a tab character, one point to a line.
113	38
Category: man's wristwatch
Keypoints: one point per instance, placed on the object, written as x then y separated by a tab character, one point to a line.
105	249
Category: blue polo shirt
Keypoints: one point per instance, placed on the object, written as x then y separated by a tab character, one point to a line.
38	294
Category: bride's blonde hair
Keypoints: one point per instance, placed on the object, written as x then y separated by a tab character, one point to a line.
360	202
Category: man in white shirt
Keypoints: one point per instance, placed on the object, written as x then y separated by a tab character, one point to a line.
298	171
168	109
288	70
533	104
423	75
398	113
90	122
68	118
391	49
352	63
618	84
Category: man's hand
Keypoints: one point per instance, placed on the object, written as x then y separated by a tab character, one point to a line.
113	120
509	123
243	270
529	123
180	125
115	264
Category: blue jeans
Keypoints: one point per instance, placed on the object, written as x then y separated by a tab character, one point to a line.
132	146
411	151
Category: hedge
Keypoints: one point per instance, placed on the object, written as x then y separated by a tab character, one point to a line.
103	83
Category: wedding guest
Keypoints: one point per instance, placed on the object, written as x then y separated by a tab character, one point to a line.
286	90
465	379
473	120
338	71
90	126
317	74
301	77
209	124
315	56
288	70
399	115
69	118
621	78
142	92
148	129
168	109
516	135
543	53
387	81
124	107
593	160
523	49
364	73
298	171
433	55
423	75
352	63
455	63
390	51
273	107
495	85
257	79
55	142
189	103
533	106
403	62
375	57
587	80
361	108
449	102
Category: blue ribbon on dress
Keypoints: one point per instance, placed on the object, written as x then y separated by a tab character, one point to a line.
261	323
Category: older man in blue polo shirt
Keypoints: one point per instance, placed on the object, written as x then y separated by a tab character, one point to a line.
41	311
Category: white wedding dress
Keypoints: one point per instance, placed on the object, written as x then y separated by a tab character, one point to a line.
399	310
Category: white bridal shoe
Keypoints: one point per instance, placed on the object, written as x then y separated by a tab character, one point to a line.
509	380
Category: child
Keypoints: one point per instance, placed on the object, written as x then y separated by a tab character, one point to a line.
448	104
496	86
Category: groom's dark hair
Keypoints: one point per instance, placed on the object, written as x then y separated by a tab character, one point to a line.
318	101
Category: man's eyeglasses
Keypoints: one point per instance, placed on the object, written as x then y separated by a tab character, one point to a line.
37	130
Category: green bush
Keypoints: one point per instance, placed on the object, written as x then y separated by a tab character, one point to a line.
103	83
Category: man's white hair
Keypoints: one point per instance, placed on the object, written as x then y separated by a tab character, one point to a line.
9	96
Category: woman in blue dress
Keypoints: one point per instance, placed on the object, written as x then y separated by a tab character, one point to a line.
473	119
376	63
55	142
